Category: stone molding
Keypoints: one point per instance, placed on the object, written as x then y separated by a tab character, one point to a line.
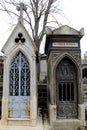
57	56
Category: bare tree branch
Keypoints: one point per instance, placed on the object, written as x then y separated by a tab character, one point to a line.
9	12
36	15
30	23
45	18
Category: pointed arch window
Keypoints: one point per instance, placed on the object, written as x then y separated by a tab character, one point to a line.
66	75
19	76
66	89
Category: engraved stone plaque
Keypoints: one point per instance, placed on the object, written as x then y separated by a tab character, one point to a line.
65	44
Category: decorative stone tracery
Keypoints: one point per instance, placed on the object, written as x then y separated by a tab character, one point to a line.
56	56
20	38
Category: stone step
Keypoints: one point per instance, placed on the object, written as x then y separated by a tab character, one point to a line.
21	128
38	126
63	128
66	124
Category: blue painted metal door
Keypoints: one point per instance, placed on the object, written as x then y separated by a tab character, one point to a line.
19	87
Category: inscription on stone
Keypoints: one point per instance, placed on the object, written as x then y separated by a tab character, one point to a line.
65	44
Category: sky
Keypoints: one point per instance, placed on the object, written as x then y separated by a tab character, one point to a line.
74	16
75	12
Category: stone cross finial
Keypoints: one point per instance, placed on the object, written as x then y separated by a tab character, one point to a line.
20	8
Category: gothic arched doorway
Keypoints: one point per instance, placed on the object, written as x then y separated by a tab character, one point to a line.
66	77
19	87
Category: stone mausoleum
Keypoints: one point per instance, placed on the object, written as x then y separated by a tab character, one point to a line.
55	102
65	78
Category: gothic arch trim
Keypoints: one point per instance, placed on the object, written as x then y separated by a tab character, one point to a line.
68	56
14	54
78	72
24	51
31	60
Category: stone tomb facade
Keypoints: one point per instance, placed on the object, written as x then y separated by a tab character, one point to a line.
65	78
19	103
64	89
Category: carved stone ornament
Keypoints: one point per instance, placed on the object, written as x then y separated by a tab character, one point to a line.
54	58
76	56
73	54
20	38
67	110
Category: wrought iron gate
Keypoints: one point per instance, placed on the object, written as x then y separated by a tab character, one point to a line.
66	90
19	87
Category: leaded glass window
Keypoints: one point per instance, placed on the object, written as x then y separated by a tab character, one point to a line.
19	76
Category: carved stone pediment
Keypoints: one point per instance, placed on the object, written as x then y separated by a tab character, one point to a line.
57	56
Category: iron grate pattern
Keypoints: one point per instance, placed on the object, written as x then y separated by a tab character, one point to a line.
19	76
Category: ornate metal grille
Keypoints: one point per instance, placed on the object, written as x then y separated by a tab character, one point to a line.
19	76
66	90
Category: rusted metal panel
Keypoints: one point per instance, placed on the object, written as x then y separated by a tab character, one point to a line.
19	107
10	111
